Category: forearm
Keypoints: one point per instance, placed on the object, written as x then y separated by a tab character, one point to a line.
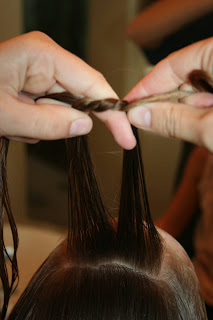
186	200
163	18
178	214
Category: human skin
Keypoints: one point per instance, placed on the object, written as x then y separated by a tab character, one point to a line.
170	247
173	247
164	17
190	119
32	65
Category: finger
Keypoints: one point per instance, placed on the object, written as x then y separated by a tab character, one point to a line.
176	120
51	66
21	139
41	121
69	71
26	98
200	99
115	121
43	65
119	126
186	87
94	86
173	71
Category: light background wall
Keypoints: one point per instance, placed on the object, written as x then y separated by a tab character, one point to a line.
10	19
11	26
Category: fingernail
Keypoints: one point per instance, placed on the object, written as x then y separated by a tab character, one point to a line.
80	127
142	117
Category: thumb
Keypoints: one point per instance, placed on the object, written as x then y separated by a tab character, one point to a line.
41	121
176	120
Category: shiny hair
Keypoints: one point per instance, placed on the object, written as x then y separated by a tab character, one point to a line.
104	269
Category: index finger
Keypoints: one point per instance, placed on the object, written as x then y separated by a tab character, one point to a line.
88	82
173	71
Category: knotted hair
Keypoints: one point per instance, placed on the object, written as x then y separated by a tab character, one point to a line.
200	80
90	233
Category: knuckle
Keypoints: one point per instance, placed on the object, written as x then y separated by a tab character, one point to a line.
100	77
38	35
38	39
172	122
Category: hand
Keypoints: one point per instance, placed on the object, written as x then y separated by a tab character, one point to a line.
190	120
32	65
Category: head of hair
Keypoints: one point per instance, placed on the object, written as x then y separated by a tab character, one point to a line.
105	270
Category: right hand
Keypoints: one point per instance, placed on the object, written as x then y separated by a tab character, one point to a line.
190	120
34	64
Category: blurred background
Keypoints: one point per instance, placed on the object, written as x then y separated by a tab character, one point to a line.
95	31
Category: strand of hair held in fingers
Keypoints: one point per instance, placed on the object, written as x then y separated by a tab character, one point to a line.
200	80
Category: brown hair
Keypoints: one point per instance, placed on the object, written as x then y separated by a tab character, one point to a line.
8	280
100	271
103	272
